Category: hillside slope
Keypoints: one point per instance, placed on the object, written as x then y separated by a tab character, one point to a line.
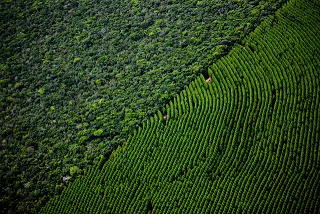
77	77
248	141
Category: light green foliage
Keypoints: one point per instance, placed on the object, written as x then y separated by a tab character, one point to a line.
76	60
98	132
74	170
245	142
185	32
255	12
41	91
135	2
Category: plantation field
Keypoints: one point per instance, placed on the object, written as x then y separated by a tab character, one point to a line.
77	77
246	141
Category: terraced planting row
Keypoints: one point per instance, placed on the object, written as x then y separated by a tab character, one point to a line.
244	140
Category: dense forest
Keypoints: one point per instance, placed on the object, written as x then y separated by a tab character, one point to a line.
244	140
77	77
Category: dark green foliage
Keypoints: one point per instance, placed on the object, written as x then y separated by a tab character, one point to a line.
76	77
246	142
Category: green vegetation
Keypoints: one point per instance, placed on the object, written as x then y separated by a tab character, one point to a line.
76	77
246	142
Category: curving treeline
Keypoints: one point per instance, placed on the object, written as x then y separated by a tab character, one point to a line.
246	141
